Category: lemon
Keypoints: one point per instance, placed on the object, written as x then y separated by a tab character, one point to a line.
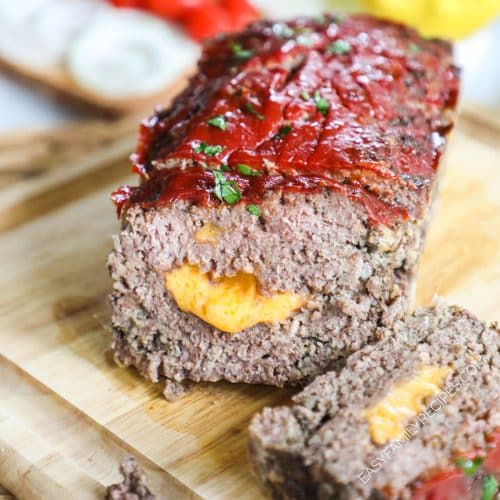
443	18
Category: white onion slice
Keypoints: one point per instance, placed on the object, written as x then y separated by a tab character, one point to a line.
17	44
278	9
38	32
59	22
13	12
126	53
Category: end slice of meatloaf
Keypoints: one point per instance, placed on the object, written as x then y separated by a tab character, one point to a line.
414	415
284	201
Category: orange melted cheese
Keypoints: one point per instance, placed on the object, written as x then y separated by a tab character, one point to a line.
387	419
209	233
231	303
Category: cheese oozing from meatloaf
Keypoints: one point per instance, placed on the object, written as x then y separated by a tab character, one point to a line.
230	303
387	418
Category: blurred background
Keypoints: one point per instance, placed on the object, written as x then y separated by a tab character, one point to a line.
63	61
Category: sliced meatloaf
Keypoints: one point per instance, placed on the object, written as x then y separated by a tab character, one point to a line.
414	416
283	202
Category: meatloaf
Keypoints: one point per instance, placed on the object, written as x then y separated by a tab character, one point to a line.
413	415
283	202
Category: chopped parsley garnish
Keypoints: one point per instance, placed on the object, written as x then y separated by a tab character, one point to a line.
305	96
250	109
246	170
285	129
254	210
240	52
321	103
321	19
218	121
339	47
225	168
282	30
304	40
209	149
469	467
285	31
225	189
490	487
414	47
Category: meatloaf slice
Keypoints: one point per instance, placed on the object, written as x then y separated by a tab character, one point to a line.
283	203
399	420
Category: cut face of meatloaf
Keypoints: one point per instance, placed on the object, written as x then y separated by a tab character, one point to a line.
283	203
414	415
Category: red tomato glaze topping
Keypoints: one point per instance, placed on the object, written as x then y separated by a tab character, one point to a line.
359	106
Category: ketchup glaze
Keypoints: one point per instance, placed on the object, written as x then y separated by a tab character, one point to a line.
360	106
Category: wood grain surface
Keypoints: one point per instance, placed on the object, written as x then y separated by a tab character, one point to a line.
4	494
67	413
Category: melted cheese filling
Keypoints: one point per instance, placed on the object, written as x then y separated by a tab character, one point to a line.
209	233
230	303
388	418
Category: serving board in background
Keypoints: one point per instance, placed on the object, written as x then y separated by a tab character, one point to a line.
67	413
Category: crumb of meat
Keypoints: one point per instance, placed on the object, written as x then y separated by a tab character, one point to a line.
174	390
133	486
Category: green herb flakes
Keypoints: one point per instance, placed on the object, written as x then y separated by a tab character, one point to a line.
469	467
321	19
415	48
250	109
305	96
304	40
254	210
339	47
282	30
246	170
241	53
225	189
225	168
321	103
209	149
490	487
284	130
219	122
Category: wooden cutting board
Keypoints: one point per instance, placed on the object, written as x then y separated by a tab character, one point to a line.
67	413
